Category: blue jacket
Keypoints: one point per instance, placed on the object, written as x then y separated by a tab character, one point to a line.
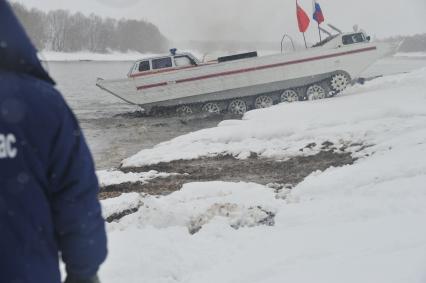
48	186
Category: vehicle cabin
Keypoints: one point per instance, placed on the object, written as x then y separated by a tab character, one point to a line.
156	64
340	40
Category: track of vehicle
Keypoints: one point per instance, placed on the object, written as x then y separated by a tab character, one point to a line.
326	88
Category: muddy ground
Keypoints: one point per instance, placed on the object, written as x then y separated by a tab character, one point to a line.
227	168
112	139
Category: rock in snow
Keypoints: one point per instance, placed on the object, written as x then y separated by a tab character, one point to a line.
359	223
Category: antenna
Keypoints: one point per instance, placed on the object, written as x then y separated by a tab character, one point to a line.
334	28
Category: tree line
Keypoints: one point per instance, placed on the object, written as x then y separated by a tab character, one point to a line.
63	31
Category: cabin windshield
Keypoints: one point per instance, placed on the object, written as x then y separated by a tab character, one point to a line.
353	38
162	63
144	66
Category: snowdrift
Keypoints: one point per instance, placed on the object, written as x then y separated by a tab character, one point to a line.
358	223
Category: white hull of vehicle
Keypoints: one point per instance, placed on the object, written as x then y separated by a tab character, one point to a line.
246	77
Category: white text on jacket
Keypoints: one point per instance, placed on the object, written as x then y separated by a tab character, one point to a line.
7	146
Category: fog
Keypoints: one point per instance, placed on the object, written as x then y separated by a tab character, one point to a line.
252	20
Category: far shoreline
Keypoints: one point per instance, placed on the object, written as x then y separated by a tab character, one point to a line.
52	56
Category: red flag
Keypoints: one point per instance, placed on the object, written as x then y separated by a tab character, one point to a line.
302	19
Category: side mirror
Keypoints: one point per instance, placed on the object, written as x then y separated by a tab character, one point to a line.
368	38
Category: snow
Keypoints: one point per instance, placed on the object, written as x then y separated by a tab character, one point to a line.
367	237
109	56
358	223
369	114
119	204
113	177
198	203
133	55
411	54
90	56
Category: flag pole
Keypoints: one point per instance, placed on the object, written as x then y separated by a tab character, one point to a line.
302	28
314	8
304	38
319	32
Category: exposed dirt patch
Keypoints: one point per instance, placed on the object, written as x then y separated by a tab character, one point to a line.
227	168
240	217
118	216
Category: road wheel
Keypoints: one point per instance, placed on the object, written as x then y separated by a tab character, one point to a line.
238	107
316	92
263	101
290	96
211	107
339	82
184	110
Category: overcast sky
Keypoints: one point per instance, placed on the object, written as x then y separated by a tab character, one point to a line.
257	20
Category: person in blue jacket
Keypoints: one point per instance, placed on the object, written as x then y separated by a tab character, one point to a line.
48	187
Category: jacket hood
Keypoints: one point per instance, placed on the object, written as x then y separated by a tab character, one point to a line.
17	53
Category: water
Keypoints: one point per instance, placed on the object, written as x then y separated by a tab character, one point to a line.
76	80
111	130
113	136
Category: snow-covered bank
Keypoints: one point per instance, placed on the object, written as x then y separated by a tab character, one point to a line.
242	204
115	56
133	56
370	114
89	56
52	56
411	54
357	223
119	204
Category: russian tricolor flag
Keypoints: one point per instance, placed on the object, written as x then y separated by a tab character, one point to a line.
318	15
